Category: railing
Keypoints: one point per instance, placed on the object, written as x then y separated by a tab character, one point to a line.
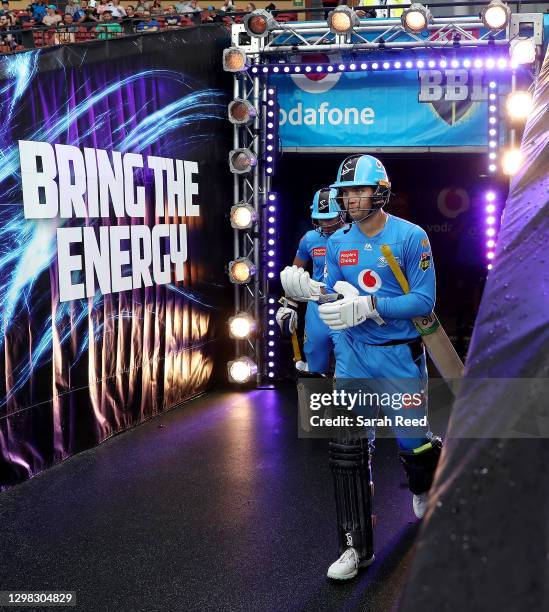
13	40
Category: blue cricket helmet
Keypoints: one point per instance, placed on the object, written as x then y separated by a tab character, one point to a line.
360	170
324	204
364	170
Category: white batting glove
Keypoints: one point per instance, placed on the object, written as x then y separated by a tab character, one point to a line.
349	312
346	289
299	286
286	317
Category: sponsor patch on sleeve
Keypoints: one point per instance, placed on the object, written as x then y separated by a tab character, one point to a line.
319	252
348	258
425	243
425	261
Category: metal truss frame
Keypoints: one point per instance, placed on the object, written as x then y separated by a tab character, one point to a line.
450	33
302	37
252	189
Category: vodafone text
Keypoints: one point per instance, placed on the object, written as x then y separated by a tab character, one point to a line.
324	115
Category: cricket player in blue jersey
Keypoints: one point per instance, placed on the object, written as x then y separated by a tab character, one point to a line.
319	341
377	341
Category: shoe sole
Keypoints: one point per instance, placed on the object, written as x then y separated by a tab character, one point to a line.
362	564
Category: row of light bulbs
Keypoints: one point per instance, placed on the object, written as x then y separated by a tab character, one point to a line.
415	19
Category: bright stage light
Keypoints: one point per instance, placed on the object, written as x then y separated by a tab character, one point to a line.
259	23
241	370
416	18
519	105
523	51
496	15
241	161
243	216
241	326
235	60
241	270
512	161
241	112
342	20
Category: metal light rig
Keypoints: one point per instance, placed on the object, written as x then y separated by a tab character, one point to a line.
495	41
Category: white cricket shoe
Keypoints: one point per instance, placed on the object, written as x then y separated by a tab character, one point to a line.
346	567
420	504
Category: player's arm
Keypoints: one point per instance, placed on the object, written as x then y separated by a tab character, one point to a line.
302	256
300	263
419	270
332	271
286	315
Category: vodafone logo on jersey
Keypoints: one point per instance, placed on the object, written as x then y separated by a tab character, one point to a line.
315	82
369	281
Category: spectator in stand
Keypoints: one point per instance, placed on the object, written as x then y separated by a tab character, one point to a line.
80	10
180	7
65	31
172	19
208	15
148	24
142	7
52	18
192	8
71	8
6	38
11	17
89	17
38	10
116	9
156	7
102	7
128	22
108	28
271	7
250	7
227	7
24	18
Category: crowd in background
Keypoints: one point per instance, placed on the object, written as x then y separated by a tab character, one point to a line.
103	19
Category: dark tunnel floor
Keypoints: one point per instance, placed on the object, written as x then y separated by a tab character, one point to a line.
216	505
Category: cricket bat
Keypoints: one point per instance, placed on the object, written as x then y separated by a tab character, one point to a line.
432	333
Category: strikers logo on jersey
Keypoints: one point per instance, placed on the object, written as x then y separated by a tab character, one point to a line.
348	258
383	263
425	261
319	252
369	281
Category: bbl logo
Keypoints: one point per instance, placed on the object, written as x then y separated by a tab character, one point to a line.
452	92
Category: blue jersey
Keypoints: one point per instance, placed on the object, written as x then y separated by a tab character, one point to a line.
354	257
313	246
